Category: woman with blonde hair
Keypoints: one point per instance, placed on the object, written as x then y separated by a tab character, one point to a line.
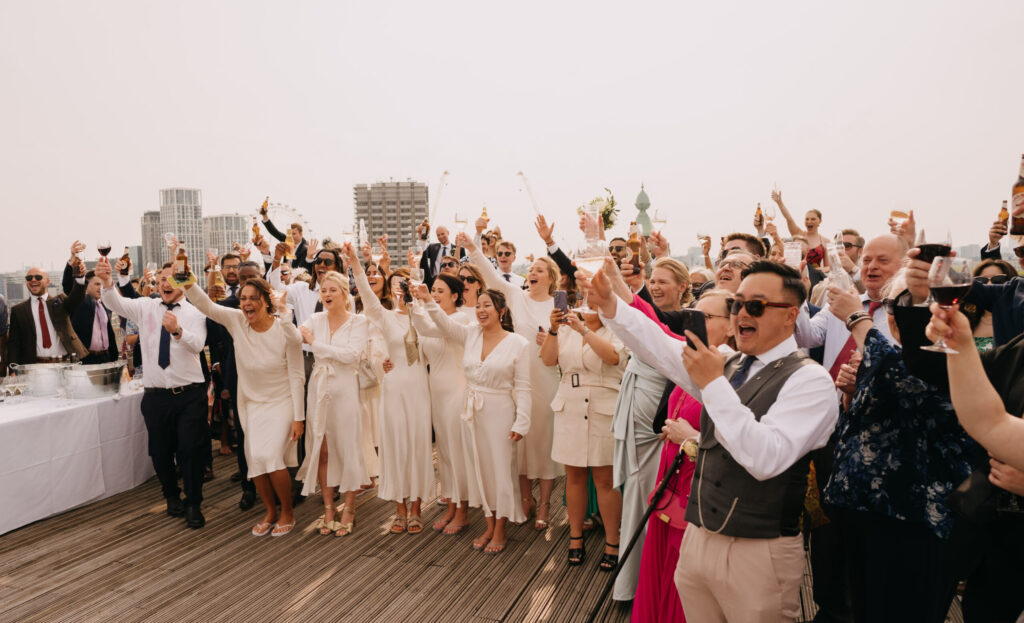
334	451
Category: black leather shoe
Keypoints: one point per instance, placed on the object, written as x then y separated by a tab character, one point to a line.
248	500
194	518
208	474
175	507
236	477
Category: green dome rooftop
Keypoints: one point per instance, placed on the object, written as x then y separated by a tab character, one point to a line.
642	200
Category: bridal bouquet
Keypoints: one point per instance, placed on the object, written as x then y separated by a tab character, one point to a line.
606	207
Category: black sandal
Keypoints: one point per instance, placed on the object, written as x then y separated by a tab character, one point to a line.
576	554
609	561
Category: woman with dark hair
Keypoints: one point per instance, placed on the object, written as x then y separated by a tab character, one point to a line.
496	412
271	380
406	457
531	310
994	272
472	283
812	221
447	401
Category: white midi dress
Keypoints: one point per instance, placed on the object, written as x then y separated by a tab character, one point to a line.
447	401
271	379
497	403
406	455
333	415
369	399
528	316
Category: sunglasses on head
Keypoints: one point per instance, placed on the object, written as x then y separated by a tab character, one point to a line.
994	279
467	278
504	254
33	277
754	307
324	260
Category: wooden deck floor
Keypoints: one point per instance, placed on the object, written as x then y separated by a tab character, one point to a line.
124	559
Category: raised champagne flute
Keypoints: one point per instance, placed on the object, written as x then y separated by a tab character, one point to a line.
461	221
590	257
949	280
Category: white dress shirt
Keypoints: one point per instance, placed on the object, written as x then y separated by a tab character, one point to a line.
56	349
825	328
301	300
148	315
517	280
802	418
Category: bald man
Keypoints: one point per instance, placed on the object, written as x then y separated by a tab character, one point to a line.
41	329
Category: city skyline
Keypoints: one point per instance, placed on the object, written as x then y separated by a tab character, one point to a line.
853	110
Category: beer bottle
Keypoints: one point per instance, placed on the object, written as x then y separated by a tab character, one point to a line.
126	258
484	216
290	241
634	239
1017	222
263	208
181	269
1004	214
424	229
759	215
255	229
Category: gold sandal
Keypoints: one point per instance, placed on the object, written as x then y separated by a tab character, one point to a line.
345	529
327	527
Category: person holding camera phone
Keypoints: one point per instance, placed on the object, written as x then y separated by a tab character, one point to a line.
592	360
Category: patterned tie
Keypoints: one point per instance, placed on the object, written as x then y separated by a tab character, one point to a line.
739	377
164	357
44	328
851	344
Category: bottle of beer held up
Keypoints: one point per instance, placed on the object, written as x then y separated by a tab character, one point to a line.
759	215
126	258
1004	214
181	269
1017	211
634	239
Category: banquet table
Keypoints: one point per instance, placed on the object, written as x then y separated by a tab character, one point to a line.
58	454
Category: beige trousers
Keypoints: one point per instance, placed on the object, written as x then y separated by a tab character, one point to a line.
724	578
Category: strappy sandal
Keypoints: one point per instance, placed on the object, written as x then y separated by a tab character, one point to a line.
398	524
531	509
576	554
262	528
345	529
415	524
541	525
327	527
609	561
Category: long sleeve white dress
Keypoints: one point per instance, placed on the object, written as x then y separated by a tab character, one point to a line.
528	316
333	415
369	399
406	457
271	379
447	401
497	402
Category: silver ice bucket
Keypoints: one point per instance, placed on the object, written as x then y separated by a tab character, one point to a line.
42	379
94	380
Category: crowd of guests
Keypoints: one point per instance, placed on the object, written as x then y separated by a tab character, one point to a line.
809	414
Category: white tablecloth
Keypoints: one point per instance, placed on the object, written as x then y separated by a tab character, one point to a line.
58	454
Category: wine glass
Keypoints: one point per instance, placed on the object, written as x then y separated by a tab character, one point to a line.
949	280
461	221
659	220
931	247
103	246
348	235
416	276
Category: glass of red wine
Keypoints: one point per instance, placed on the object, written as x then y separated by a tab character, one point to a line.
103	246
931	248
949	280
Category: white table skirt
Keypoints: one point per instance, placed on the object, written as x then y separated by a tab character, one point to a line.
59	454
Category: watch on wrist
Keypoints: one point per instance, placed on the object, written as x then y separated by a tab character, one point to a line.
856	317
554	333
176	333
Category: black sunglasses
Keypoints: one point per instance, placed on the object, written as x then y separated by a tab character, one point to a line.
324	260
33	277
616	248
994	279
754	307
504	253
448	264
467	278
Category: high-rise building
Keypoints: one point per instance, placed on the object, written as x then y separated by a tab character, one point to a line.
392	208
154	251
181	213
222	230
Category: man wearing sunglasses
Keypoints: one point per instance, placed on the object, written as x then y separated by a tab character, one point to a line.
41	330
506	256
436	254
765	409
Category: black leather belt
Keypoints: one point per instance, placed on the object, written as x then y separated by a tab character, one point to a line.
173	390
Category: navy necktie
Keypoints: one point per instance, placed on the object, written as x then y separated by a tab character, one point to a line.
739	377
164	357
507	277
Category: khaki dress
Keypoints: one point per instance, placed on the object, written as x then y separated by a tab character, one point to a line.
585	401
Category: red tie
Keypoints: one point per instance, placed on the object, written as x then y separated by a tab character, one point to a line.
42	325
851	345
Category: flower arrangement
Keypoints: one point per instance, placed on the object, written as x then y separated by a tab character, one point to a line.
606	207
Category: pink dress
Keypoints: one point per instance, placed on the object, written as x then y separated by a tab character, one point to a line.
656	596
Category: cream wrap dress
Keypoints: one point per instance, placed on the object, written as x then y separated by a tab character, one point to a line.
497	402
528	316
447	401
406	455
333	415
271	380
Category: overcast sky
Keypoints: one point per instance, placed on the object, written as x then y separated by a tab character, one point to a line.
851	109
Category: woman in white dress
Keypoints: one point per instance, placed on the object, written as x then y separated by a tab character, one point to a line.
375	354
473	284
531	311
334	448
447	401
496	415
406	457
271	379
592	360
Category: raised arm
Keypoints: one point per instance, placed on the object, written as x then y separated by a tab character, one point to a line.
371	304
296	369
422	322
348	353
273	231
521	389
129	308
794	229
226	316
491	276
445	325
